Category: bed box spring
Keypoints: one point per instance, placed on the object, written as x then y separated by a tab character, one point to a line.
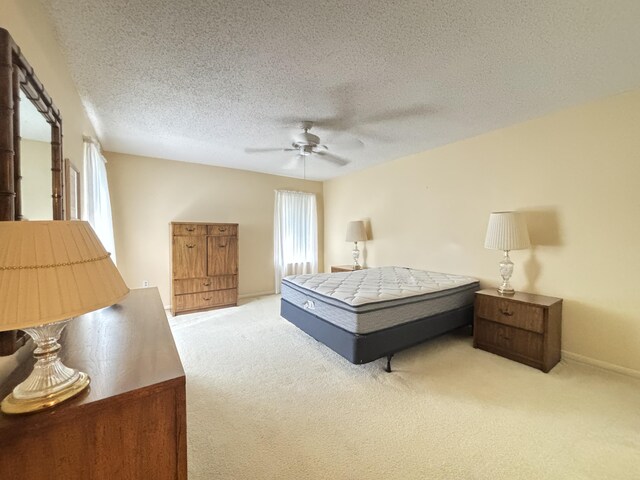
364	348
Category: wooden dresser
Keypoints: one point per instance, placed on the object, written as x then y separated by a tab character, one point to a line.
204	266
523	327
130	423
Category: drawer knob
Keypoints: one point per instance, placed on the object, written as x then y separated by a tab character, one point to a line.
503	336
207	284
191	229
506	313
206	299
191	245
222	229
222	245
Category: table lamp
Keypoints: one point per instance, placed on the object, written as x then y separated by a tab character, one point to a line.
356	233
506	231
50	272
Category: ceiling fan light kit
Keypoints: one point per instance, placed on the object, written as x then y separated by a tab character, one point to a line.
306	144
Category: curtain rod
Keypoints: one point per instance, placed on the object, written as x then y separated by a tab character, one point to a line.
294	191
88	139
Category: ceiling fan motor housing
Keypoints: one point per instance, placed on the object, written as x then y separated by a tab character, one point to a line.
305	141
305	138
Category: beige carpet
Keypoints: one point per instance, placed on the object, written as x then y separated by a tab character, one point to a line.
265	401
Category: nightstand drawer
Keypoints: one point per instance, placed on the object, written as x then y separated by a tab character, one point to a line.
508	341
508	312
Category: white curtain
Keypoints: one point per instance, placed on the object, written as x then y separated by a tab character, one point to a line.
295	234
96	204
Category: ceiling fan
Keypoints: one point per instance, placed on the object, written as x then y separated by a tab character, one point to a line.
306	144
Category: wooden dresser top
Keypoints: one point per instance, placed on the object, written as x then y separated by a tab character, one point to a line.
126	349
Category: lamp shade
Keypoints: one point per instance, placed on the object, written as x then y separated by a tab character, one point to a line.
356	231
52	271
507	231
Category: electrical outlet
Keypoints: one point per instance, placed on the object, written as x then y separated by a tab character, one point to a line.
145	283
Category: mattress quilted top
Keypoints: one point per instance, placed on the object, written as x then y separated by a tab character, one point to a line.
374	285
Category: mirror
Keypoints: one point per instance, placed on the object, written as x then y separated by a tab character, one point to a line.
35	162
21	92
26	179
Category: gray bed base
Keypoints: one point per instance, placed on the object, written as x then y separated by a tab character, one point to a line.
364	348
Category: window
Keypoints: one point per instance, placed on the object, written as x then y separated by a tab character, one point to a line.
295	234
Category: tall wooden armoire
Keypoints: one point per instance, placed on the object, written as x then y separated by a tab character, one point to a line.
204	266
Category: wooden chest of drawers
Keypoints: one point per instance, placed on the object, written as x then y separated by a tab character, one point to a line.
523	327
204	266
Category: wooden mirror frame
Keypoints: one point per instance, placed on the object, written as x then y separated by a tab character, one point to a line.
16	74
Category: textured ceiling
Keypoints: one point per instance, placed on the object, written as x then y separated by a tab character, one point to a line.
202	80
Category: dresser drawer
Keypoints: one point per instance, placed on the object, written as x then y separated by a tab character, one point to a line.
195	285
189	229
508	312
221	229
508	340
195	301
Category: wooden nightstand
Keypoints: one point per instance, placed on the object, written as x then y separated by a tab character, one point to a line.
345	268
524	327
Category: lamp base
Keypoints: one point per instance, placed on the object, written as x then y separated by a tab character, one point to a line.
51	381
506	270
355	253
12	405
506	291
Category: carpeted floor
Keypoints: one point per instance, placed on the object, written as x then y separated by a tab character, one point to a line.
265	401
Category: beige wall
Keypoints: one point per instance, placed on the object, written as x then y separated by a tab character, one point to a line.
148	193
577	175
35	168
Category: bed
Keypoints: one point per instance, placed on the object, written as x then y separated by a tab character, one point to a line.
373	313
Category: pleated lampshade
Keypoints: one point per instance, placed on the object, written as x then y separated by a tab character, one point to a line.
356	231
507	231
52	271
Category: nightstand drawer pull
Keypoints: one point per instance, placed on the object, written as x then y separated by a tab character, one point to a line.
206	299
506	312
190	245
207	284
191	229
222	229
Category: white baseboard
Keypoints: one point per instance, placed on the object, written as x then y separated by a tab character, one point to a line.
600	364
256	294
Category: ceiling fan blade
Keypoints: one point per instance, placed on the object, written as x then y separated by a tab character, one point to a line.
373	136
399	114
293	163
345	142
333	158
263	150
